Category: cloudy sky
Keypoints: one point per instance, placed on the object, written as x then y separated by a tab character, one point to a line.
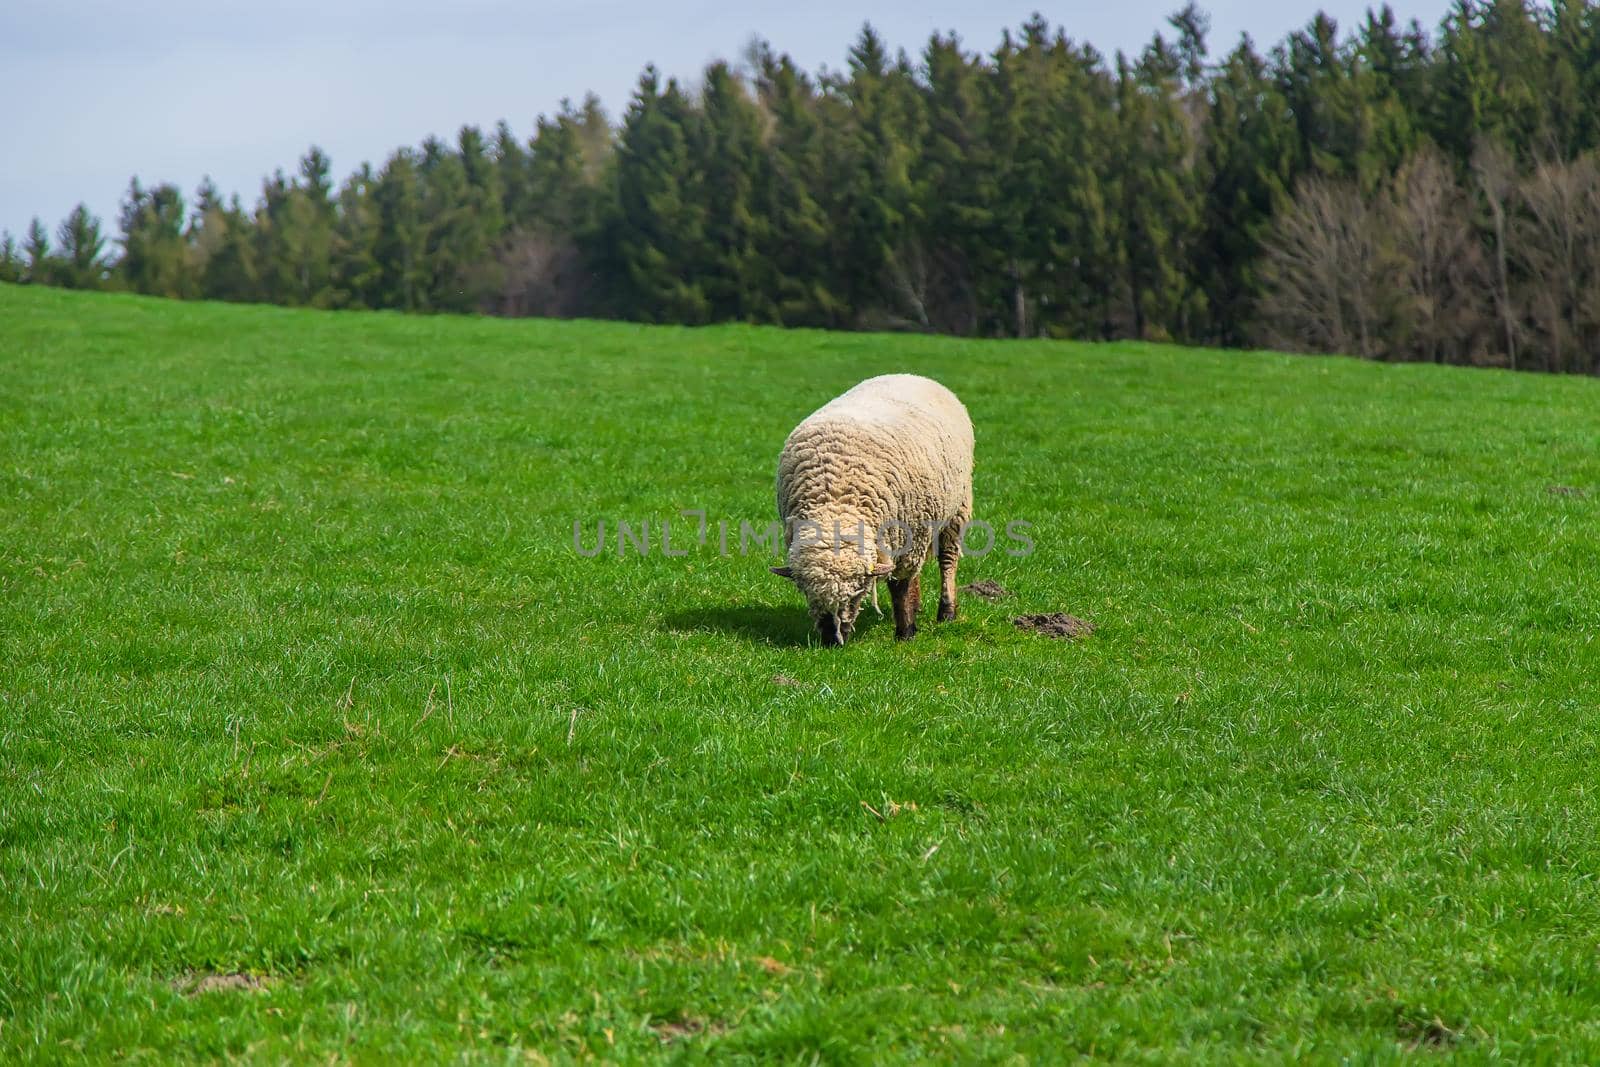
99	90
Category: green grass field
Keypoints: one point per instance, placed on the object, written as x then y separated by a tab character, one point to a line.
305	694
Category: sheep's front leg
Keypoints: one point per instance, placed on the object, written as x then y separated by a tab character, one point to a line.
906	595
949	558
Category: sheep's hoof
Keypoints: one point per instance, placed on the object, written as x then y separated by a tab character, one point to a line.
907	634
947	612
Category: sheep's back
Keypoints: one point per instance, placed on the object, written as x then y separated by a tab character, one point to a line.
894	447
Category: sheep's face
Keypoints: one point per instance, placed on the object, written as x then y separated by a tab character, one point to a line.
835	627
834	585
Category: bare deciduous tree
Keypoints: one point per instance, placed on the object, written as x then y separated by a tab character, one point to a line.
1441	273
1323	266
541	275
1555	243
1496	179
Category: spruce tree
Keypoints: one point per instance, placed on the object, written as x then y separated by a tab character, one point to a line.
1156	190
511	172
41	269
455	243
1248	167
1493	81
1389	73
739	279
969	261
797	234
155	254
560	194
1044	255
82	247
12	266
882	267
401	246
1056	134
655	242
357	273
304	215
275	250
1575	75
481	220
228	269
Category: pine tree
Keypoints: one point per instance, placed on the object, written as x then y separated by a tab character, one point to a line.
797	232
730	156
542	265
1520	55
883	269
956	200
655	243
1158	205
309	234
1389	70
1348	99
483	182
203	233
12	267
358	276
456	246
1055	134
481	220
1046	210
1493	81
82	246
1192	26
228	270
295	233
155	255
41	268
401	247
1248	166
560	193
595	137
511	173
1575	77
274	248
222	246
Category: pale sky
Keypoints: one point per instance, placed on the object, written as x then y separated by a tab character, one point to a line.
96	91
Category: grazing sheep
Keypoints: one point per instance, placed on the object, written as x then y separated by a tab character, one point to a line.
865	486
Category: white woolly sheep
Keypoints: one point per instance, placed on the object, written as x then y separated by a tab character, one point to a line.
866	484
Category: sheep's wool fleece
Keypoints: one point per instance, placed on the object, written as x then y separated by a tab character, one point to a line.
894	449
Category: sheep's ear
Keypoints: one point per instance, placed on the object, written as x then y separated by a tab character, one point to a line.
883	569
783	572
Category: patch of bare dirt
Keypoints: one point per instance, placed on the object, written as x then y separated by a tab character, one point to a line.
192	985
1431	1034
681	1029
1055	624
986	590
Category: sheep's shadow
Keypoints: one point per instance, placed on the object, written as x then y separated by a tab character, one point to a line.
760	623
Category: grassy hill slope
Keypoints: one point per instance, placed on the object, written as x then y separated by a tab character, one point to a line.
306	696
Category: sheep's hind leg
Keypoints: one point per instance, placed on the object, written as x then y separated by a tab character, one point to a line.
949	558
906	596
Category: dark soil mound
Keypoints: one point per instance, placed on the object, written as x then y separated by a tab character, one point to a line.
1056	624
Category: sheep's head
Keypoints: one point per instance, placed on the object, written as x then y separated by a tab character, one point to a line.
834	581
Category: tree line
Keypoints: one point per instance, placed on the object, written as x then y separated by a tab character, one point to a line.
1389	192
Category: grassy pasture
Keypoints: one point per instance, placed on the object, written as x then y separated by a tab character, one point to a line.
318	739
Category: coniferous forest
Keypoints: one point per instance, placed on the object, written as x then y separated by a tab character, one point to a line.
1386	191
